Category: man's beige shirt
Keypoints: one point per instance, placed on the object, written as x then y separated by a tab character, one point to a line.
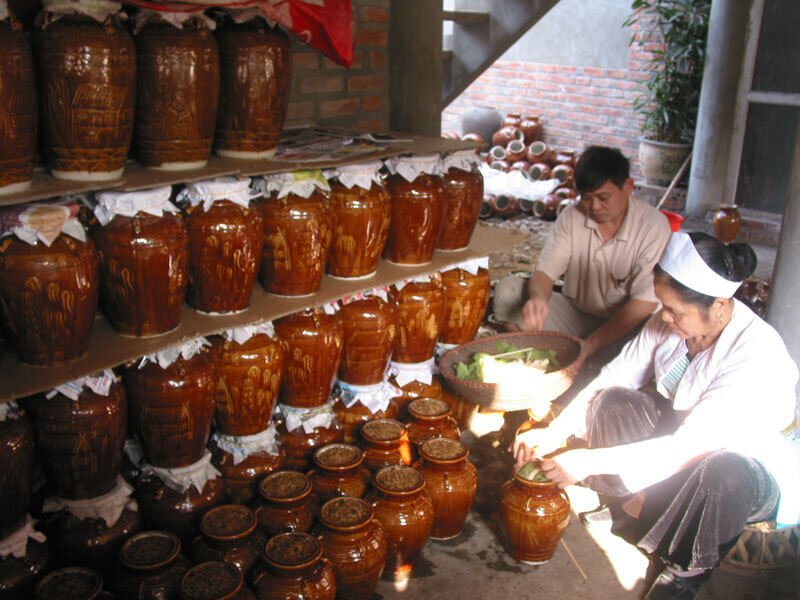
600	276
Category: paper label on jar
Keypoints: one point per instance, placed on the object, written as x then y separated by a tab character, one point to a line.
233	189
241	334
471	266
242	446
153	202
465	160
405	373
33	223
16	544
411	167
299	183
99	10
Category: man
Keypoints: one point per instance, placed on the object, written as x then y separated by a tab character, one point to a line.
605	246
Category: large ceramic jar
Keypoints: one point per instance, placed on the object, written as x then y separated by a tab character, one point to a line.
241	477
49	297
533	516
299	445
16	469
87	92
74	583
463	184
385	444
352	417
249	374
18	104
178	92
19	575
418	208
295	569
369	325
255	62
297	241
431	419
286	503
356	545
150	567
228	534
313	343
362	210
80	442
214	580
171	409
338	472
226	237
451	481
420	317
405	512
465	299
144	261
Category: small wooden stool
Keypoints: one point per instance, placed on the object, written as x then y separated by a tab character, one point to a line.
762	550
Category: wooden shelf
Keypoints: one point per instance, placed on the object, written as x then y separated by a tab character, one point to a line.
108	348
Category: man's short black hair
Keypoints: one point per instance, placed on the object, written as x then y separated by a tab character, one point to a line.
599	164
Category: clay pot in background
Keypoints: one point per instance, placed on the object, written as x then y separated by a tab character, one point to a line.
418	210
500	165
76	583
486	206
565	157
241	480
369	327
338	472
214	580
18	575
385	444
452	481
285	503
356	545
225	246
473	137
228	534
295	569
727	222
87	91
405	512
255	62
565	202
564	173
498	153
49	297
431	419
18	106
545	208
177	67
171	409
515	151
144	262
526	205
505	134
353	417
297	240
565	192
531	128
16	473
450	135
512	119
464	191
299	446
505	205
539	171
538	152
533	516
482	120
312	341
465	299
520	165
150	567
420	315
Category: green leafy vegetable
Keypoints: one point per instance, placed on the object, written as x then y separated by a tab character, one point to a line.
507	353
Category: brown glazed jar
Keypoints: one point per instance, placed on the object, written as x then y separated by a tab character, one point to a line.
150	567
413	390
49	297
418	211
431	419
369	326
515	151
16	472
464	189
353	417
564	173
312	340
299	446
173	511
547	208
539	152
286	503
214	580
465	299
405	512
248	379
178	93
144	262
295	569
255	62
361	221
89	543
356	545
18	104
531	128
385	444
241	480
71	583
727	222
533	516
228	534
338	472
297	241
539	170
87	91
18	575
513	119
506	134
80	442
452	481
420	317
225	245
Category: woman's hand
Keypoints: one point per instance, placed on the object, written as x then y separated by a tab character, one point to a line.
544	441
570	467
535	312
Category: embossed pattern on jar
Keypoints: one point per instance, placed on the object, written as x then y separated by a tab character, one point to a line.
228	534
418	210
466	297
385	444
464	193
420	317
338	472
16	473
369	328
295	569
285	503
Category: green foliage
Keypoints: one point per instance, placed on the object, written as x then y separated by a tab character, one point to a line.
532	472
473	371
670	103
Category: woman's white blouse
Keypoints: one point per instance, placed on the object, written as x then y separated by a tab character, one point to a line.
738	395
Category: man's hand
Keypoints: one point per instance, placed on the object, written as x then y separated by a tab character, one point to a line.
534	313
544	441
570	467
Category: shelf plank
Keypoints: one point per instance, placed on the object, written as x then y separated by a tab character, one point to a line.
108	348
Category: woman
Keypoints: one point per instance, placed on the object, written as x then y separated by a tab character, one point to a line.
686	465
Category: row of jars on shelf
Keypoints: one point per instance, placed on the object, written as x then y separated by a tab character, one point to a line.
179	88
144	256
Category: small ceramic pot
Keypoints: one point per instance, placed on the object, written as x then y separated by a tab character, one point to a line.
564	173
512	119
385	444
727	222
285	503
299	446
295	569
352	417
531	128
515	151
229	535
214	580
505	134
413	390
545	208
505	205
565	203
498	153
369	327
150	567
431	418
338	472
486	206
538	170
526	205
241	479
75	583
538	152
450	135
472	137
521	165
500	165
565	157
565	192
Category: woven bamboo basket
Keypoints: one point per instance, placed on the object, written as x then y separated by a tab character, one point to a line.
762	550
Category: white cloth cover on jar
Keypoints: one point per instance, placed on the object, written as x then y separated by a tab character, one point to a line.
181	479
378	292
466	160
16	543
10	410
235	189
99	10
362	175
33	223
299	183
176	19
241	334
307	418
399	285
471	266
411	167
107	507
405	373
99	383
375	398
154	201
242	446
165	358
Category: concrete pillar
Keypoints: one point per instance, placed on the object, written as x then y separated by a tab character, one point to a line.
415	66
783	309
715	119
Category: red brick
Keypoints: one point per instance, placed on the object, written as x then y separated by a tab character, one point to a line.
377	58
300	110
617	73
543	85
582	80
599	101
321	85
558	78
640	76
372	103
592	72
373	14
338	108
644	56
305	60
329	65
548	68
363	83
569	70
371	37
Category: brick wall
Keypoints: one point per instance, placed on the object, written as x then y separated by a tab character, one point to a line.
329	94
579	105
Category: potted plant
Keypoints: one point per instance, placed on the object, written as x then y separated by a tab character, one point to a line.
672	92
